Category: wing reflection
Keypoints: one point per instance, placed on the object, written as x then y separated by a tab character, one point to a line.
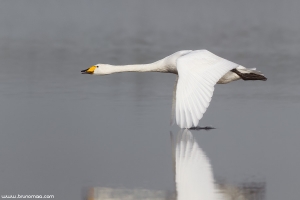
193	177
193	172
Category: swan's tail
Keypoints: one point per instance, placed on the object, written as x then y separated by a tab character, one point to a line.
249	73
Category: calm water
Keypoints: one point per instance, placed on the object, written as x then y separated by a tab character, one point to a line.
62	131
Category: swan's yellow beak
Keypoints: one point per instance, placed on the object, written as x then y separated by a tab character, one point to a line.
89	70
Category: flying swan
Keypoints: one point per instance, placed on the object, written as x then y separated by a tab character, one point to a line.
198	71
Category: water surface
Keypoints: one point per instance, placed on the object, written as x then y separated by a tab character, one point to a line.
62	131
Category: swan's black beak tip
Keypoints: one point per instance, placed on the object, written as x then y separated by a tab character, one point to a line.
84	71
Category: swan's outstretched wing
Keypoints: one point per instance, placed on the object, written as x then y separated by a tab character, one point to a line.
198	72
194	177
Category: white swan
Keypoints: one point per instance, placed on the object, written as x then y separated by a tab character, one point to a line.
198	71
193	173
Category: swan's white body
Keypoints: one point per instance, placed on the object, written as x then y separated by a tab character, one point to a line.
198	71
193	173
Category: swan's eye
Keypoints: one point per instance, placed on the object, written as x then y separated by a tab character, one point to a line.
97	66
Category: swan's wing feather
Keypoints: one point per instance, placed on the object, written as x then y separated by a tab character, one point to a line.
194	176
173	118
198	72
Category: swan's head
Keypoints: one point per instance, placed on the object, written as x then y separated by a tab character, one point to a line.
99	69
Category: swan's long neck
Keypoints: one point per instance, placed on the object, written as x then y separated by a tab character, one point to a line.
152	67
165	65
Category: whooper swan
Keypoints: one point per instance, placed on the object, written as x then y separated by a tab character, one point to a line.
198	71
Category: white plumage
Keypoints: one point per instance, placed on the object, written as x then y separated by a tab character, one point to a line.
198	71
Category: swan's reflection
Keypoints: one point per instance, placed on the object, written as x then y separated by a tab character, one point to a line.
193	172
193	177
